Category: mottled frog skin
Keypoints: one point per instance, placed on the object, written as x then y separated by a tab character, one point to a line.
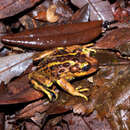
60	66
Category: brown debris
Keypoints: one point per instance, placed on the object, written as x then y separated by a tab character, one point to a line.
30	110
52	12
31	126
51	15
12	7
120	11
2	120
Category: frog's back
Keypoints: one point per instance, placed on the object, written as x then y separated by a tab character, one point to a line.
65	65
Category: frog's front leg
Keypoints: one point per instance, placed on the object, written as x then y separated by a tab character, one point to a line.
46	53
63	83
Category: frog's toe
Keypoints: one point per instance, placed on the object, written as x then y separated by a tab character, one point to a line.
80	89
80	95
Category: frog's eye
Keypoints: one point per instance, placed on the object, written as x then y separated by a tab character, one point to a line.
86	68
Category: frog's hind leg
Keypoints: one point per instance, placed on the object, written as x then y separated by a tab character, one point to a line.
63	83
39	83
41	88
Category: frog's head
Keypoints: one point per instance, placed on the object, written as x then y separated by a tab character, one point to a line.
84	66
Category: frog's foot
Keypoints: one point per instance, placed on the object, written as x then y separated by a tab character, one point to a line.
70	89
53	92
49	92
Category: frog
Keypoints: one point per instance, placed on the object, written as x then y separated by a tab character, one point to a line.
60	66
